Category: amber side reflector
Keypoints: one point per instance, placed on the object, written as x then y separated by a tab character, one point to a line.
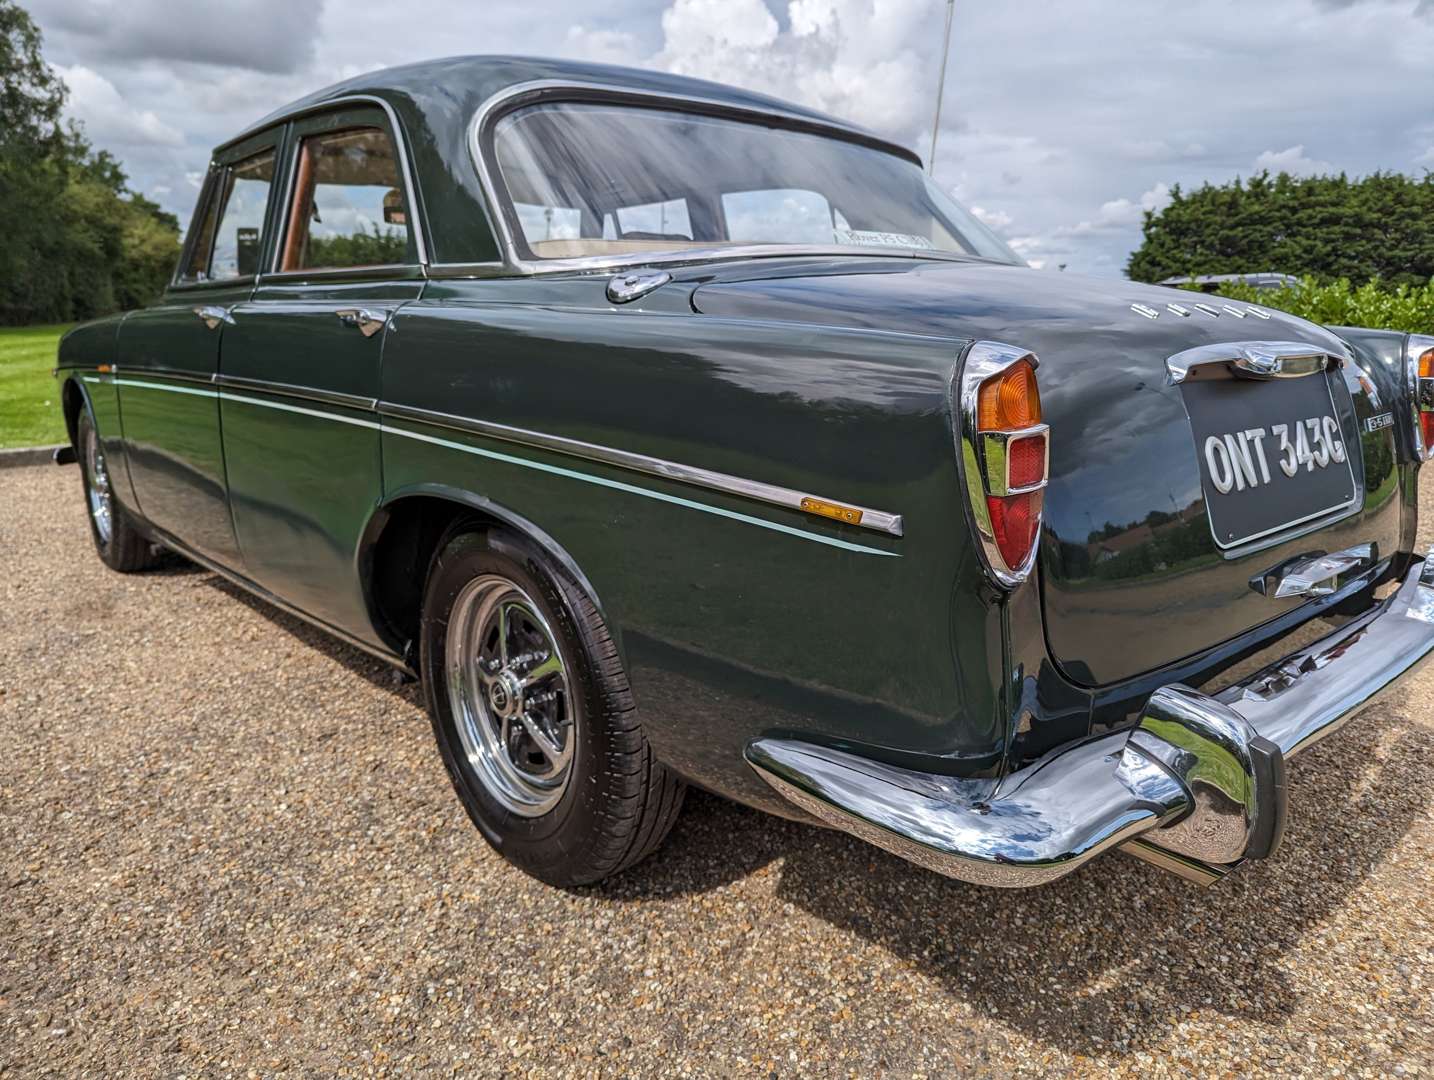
835	511
1010	401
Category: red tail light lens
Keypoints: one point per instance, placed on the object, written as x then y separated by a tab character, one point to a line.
1007	448
1015	523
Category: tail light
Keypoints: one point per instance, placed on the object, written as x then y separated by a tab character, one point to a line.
1419	354
1005	450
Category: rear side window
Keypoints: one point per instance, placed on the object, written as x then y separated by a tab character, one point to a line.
242	203
349	208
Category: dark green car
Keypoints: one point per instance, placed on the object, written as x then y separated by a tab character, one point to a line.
676	435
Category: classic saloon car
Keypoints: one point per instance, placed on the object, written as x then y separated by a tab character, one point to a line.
676	435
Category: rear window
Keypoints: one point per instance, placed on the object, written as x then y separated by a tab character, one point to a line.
586	179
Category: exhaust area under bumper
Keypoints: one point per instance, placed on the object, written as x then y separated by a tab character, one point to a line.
1196	787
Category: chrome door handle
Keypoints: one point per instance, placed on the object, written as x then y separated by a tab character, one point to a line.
1314	575
213	315
368	322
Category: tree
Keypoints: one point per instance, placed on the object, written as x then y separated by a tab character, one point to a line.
77	242
1326	227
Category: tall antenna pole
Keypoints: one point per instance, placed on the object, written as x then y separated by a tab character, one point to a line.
941	85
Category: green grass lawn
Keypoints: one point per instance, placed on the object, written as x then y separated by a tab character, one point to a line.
29	413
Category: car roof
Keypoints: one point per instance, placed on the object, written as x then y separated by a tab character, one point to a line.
471	80
434	103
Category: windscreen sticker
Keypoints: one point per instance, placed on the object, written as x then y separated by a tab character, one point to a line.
873	238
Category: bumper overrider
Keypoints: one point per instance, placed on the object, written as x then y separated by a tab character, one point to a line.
1197	786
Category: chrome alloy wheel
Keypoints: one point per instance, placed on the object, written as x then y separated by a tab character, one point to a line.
99	486
509	691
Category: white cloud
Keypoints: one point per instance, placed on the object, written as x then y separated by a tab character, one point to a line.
1293	161
110	120
1119	214
871	62
603	46
1426	158
995	220
269	35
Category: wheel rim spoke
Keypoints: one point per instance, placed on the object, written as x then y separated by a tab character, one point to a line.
551	666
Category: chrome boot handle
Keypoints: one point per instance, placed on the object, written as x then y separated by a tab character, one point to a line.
368	322
213	315
1313	575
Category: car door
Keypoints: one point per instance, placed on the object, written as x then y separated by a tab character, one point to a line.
299	366
168	356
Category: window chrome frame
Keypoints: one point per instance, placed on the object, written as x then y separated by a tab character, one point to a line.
293	143
985	360
521	95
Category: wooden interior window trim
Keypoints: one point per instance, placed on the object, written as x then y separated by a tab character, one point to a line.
297	234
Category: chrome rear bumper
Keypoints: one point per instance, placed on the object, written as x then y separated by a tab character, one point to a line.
1197	786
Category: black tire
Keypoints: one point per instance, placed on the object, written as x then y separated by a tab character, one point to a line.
619	801
120	545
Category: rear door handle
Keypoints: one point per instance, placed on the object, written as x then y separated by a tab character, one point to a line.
213	315
367	321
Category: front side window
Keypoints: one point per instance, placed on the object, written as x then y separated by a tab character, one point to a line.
587	179
243	200
201	247
348	209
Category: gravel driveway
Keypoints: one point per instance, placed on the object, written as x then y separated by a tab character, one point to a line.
227	847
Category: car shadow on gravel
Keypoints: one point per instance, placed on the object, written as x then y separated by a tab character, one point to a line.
1106	960
1114	956
378	673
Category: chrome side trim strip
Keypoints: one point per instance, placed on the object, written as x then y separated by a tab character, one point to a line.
633	489
877	520
170	373
328	397
282	407
143	385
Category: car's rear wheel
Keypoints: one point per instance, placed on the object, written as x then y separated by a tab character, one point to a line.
533	715
119	544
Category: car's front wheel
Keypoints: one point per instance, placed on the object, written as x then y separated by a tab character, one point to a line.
120	545
533	715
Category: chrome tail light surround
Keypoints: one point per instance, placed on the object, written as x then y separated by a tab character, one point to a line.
985	463
1421	391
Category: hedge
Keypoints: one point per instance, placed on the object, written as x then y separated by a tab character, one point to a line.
1340	303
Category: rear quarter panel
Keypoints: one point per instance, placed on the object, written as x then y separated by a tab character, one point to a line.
735	617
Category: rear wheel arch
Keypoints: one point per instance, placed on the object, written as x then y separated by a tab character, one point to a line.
399	542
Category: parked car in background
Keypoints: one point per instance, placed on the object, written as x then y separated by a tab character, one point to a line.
1213	283
672	434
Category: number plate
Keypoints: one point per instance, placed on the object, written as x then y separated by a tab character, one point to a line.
1272	454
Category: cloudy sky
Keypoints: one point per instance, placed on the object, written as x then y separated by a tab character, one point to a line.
1063	120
